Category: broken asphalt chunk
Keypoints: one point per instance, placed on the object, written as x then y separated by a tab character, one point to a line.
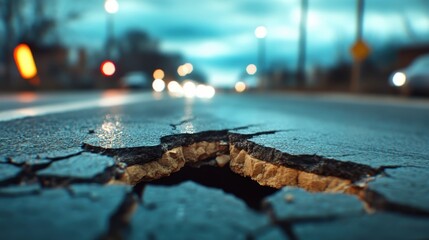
55	214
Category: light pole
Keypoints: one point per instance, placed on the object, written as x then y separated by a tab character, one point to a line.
359	48
261	34
111	7
302	44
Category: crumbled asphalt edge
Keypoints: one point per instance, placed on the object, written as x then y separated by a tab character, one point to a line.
141	155
144	154
308	163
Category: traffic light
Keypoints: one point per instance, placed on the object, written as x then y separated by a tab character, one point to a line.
108	68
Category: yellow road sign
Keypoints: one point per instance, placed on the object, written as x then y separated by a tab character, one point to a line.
360	50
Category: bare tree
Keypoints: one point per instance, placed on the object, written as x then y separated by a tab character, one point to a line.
33	22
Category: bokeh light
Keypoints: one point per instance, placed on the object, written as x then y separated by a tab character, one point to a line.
174	87
240	87
204	91
181	70
185	69
158	74
24	61
111	6
399	79
209	92
158	85
251	69
189	89
108	68
200	90
261	32
188	68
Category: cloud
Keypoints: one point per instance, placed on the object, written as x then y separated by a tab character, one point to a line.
264	9
218	34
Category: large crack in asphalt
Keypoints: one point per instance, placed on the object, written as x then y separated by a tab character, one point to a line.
265	165
120	218
177	156
200	156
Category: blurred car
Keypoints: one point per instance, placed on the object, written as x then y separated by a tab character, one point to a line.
414	78
135	80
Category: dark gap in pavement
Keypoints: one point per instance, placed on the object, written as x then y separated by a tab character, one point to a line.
138	190
222	178
119	227
381	203
285	226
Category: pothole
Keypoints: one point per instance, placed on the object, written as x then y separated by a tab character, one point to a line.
265	166
223	160
243	188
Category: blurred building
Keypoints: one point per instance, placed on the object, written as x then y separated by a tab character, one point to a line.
52	65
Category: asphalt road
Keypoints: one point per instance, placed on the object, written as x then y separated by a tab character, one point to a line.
382	133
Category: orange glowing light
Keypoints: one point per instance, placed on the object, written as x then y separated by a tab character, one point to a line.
108	68
158	74
188	67
182	71
240	87
25	62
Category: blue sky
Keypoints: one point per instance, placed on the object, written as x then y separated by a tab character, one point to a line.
217	36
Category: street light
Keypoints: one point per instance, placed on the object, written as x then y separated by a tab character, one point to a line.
25	62
302	44
261	34
111	7
108	68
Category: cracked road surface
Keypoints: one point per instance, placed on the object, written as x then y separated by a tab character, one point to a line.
253	166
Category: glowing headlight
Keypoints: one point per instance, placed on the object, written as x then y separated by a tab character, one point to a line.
399	79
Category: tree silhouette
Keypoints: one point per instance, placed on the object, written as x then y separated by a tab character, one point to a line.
139	52
33	22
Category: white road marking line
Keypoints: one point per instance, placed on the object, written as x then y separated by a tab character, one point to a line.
74	106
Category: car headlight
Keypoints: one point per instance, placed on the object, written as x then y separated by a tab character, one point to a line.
399	79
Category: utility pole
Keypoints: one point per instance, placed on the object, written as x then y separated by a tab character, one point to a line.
261	56
111	7
302	44
261	34
360	51
9	15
